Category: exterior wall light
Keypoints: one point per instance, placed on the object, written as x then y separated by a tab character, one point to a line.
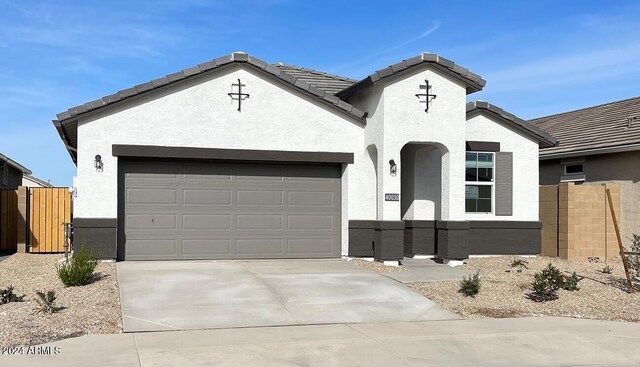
97	163
393	167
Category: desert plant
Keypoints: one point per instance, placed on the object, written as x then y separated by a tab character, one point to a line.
571	282
633	261
79	270
470	286
546	283
7	295
47	301
607	269
519	264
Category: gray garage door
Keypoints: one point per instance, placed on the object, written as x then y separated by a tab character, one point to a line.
207	210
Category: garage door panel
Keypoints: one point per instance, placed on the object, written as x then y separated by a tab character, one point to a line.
259	221
153	196
212	210
311	198
262	172
206	221
152	247
209	247
310	246
259	197
151	221
259	247
307	222
206	197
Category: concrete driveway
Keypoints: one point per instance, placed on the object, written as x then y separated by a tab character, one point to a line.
183	295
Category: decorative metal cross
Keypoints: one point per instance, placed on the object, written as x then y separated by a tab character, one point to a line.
428	97
238	96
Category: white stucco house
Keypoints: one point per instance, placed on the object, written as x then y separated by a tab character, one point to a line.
238	158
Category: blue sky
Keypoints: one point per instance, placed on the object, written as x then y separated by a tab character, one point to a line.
538	57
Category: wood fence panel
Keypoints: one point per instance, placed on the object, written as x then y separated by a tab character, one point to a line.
9	219
49	209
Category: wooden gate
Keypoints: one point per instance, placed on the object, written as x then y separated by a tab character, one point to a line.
49	209
9	219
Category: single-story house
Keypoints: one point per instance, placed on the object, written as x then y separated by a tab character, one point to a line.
32	181
237	158
11	173
598	144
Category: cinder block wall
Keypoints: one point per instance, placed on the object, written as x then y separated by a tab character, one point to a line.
583	223
549	218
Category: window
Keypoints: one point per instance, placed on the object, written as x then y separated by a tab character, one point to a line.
479	177
573	169
479	167
478	198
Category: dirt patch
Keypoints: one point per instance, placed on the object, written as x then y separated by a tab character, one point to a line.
378	267
90	309
504	294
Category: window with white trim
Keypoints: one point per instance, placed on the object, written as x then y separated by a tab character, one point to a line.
479	182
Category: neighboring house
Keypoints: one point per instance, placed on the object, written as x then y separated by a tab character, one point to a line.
237	158
595	145
30	181
11	173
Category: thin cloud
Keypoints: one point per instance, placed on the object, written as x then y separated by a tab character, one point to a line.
564	70
389	50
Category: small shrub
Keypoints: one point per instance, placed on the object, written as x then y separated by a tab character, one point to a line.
571	282
79	270
7	295
546	283
470	286
47	302
607	269
519	263
633	261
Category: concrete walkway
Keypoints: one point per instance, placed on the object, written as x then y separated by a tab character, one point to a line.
193	295
427	270
541	341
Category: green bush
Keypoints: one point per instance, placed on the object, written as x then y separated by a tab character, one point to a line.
546	283
571	282
7	295
47	302
519	263
470	286
633	261
79	270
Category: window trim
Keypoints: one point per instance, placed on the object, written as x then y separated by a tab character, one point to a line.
491	183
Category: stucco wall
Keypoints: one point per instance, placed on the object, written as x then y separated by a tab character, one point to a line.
525	165
199	113
396	118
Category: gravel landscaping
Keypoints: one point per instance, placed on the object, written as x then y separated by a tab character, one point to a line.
90	309
504	294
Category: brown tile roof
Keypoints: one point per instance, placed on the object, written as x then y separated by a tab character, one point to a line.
613	124
544	139
324	81
236	57
473	81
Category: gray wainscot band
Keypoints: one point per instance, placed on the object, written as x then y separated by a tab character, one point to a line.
97	234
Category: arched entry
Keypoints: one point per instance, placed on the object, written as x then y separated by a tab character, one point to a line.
424	181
